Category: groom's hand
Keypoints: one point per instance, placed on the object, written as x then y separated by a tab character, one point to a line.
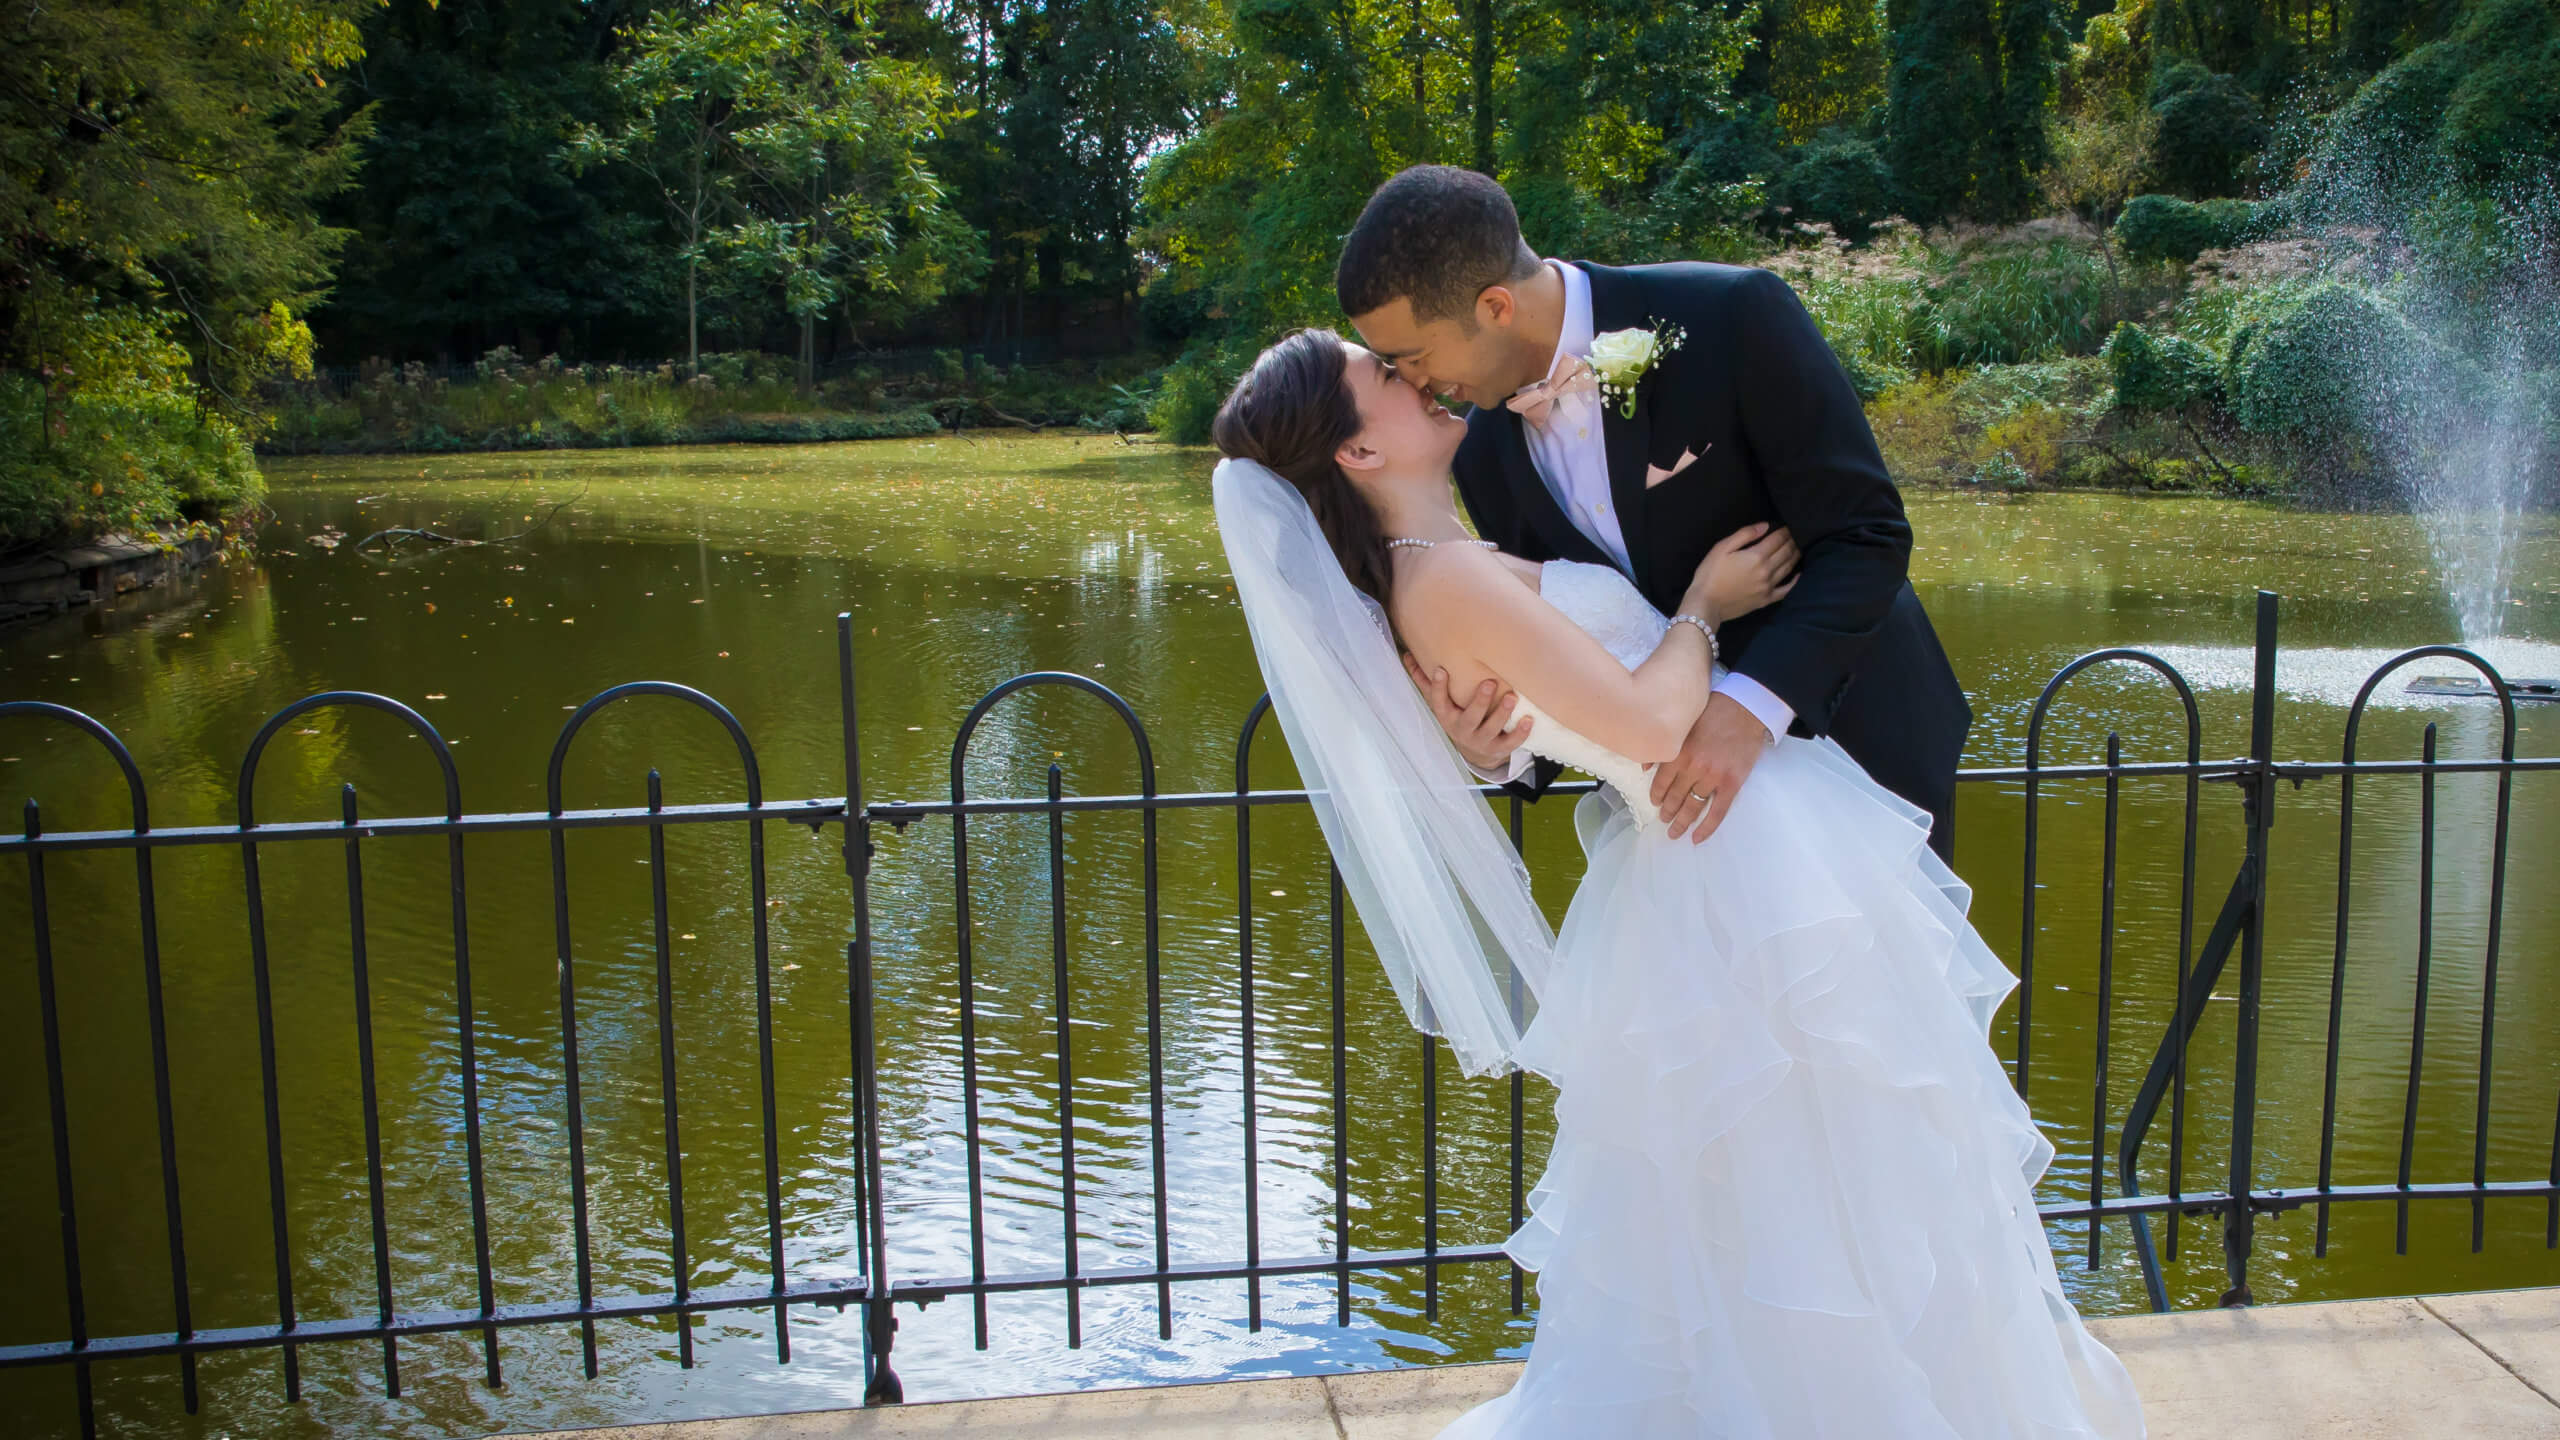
1712	763
1477	726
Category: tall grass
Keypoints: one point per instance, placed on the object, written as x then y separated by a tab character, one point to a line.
1910	304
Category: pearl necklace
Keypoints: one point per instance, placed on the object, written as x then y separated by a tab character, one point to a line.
1403	543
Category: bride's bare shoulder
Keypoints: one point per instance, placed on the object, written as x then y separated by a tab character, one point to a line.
1447	588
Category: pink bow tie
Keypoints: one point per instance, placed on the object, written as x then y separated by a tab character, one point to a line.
1534	402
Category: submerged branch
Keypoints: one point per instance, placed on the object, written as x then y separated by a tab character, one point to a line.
392	537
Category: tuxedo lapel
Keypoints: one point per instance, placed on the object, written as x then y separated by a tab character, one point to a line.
1615	305
1537	502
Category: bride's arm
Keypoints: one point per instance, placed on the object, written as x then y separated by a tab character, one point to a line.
1459	609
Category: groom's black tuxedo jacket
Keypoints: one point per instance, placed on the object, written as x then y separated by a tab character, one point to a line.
1755	394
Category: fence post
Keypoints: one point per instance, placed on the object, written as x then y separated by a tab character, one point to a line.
881	1385
2258	797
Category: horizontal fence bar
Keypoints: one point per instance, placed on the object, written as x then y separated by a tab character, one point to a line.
440	1322
825	811
830	810
839	1293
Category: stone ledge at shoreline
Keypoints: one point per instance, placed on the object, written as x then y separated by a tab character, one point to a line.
2482	1367
51	581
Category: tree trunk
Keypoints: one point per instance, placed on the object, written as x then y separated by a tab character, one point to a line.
692	323
1480	67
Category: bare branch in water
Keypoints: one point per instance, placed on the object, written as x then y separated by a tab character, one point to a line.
391	538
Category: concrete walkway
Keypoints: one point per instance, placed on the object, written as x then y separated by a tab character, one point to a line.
2481	1367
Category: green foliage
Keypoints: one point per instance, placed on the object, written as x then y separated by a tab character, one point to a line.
2002	471
2208	128
2003	304
1969	88
2008	427
1064	102
470	229
2103	131
783	146
1840	182
2164	227
508	402
111	439
1192	391
160	175
2329	363
512	404
1910	306
2159	371
2477	112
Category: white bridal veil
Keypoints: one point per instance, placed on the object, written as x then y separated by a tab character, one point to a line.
1444	897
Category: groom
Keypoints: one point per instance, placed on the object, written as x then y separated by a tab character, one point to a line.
1748	417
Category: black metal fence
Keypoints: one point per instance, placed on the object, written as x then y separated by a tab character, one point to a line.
2239	928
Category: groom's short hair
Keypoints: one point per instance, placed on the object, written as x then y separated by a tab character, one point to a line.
1435	236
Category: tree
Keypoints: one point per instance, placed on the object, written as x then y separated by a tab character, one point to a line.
2206	129
1068	98
1968	94
471	230
837	204
161	172
2103	129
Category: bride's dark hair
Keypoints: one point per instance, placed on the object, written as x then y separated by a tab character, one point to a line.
1291	412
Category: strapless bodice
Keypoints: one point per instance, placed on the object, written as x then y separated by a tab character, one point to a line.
1606	606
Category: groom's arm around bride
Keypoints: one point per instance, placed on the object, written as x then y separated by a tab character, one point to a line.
1743	416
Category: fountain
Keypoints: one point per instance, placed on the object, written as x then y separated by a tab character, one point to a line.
2450	362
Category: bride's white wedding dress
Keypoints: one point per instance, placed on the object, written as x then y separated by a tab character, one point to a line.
1792	1191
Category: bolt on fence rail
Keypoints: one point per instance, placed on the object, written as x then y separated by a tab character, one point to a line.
377	1317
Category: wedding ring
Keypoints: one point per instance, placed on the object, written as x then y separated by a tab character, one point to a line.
1702	799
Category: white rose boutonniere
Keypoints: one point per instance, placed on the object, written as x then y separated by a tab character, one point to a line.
1621	359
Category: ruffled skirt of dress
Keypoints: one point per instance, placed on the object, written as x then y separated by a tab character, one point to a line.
1791	1195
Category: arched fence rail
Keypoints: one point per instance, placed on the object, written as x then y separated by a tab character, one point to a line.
379	1318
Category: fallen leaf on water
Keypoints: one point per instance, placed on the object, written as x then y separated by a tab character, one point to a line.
568	622
431	607
724	654
684	937
794	965
435	697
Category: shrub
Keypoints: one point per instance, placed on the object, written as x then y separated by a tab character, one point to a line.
2001	472
1842	183
2006	304
2327	359
1922	431
2158	372
2164	227
1188	399
115	439
2032	439
2209	129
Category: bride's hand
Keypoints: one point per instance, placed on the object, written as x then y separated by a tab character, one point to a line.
1752	567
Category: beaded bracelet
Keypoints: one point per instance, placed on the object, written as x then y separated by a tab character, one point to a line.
1715	652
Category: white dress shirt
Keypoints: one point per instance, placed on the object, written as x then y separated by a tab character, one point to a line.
1572	456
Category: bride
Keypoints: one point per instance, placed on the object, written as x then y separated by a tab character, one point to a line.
1792	1192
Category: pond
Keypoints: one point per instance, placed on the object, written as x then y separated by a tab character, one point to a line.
965	561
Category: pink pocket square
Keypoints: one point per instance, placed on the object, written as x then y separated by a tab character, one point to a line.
1655	475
